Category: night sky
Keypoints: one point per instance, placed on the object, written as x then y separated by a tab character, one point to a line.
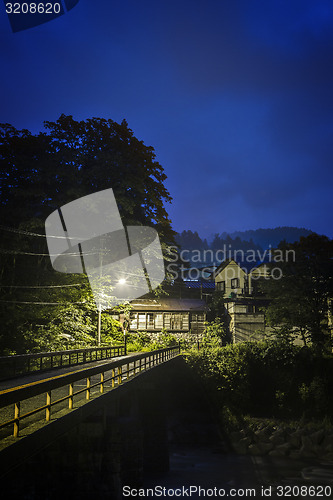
236	97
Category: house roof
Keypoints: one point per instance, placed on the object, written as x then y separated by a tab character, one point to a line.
167	304
205	285
224	264
247	267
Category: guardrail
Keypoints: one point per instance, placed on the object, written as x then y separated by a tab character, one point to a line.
14	366
110	374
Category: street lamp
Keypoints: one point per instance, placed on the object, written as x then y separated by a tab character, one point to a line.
121	281
99	325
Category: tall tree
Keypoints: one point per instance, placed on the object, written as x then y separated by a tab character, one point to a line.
300	298
38	174
42	172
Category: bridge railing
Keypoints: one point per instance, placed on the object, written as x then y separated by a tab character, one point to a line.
87	382
14	366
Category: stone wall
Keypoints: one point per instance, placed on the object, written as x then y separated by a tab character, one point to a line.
265	438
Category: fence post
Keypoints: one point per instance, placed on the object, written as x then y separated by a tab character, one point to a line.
17	419
102	383
48	406
88	389
71	392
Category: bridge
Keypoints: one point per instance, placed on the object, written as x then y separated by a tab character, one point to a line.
88	430
42	408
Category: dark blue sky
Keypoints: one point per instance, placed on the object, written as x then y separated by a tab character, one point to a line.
235	96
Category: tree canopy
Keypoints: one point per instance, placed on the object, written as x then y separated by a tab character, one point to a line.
38	174
300	299
41	172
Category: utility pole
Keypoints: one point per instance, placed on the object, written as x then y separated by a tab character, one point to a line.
99	325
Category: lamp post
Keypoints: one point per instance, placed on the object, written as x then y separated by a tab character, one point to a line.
99	325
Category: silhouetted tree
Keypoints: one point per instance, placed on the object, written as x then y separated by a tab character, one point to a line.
299	300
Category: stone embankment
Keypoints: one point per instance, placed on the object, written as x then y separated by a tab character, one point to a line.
282	441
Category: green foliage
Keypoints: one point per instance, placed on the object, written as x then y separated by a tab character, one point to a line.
315	396
143	341
41	309
216	332
268	378
111	330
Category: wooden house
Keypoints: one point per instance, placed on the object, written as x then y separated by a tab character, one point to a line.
172	315
231	279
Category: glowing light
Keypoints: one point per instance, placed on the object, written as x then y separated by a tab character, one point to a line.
122	281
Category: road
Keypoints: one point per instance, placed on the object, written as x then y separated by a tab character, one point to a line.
7	413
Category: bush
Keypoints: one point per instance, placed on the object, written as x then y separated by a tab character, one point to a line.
142	341
267	379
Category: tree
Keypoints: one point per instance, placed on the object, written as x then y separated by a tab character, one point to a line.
42	172
299	300
38	174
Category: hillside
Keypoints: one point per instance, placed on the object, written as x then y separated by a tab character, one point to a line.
269	236
256	240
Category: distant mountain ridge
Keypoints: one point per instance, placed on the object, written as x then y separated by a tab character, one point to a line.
270	236
224	245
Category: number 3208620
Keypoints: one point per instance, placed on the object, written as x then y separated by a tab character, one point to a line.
33	8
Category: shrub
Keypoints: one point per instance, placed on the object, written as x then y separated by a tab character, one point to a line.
267	379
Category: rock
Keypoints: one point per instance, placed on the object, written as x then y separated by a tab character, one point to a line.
277	439
327	441
265	447
254	449
306	442
318	474
236	436
306	453
261	435
295	439
317	437
276	454
242	445
283	448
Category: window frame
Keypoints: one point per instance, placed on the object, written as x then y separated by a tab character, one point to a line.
234	283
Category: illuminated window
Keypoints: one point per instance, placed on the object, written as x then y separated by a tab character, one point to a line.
220	286
185	322
159	321
235	283
167	321
134	321
142	321
150	321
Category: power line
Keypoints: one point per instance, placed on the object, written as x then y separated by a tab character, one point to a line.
40	286
5	251
29	233
21	231
42	303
